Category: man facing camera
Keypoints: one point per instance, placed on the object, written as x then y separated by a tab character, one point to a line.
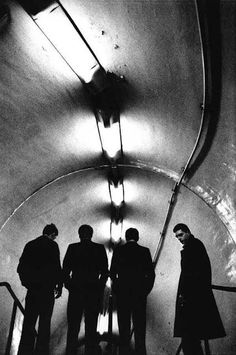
133	276
196	315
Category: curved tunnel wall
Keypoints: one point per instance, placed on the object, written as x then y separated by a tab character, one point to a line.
68	204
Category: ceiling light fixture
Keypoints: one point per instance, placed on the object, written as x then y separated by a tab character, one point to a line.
116	231
110	139
59	28
116	193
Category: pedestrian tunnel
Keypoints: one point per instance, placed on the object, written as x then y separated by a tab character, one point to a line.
132	124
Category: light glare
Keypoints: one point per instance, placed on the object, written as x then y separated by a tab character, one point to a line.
102	326
59	30
117	194
81	137
116	231
132	191
110	137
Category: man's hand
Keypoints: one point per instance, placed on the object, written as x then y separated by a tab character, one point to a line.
57	292
181	301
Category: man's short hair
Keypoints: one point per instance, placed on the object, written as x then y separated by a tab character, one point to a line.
50	229
181	226
85	231
132	234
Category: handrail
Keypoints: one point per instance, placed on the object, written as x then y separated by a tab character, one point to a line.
223	288
16	304
8	286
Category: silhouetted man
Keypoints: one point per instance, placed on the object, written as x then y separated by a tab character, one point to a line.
133	277
40	272
197	316
85	269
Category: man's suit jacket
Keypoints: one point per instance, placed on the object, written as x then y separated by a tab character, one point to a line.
85	266
39	266
132	269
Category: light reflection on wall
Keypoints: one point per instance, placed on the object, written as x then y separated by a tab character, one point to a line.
81	137
224	208
101	192
138	136
223	205
231	267
131	191
104	230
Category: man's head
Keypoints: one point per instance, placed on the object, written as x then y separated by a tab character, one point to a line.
85	232
51	231
132	234
182	232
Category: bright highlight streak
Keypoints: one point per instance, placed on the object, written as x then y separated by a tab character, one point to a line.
117	194
116	231
109	257
102	326
17	332
59	30
110	137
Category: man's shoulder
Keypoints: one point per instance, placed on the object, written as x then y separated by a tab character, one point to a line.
198	245
74	246
41	244
143	249
134	248
197	242
33	242
98	245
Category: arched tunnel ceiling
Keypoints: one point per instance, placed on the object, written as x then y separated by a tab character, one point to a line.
52	166
47	124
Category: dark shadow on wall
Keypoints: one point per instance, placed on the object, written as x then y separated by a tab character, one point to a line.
210	25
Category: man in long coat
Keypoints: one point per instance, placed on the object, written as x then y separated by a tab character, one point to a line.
197	316
85	269
40	272
133	276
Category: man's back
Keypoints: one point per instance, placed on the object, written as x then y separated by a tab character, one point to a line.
40	272
132	266
39	264
85	264
133	276
85	269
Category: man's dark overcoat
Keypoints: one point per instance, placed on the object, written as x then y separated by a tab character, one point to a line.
196	310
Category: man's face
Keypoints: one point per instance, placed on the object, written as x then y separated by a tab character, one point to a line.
182	236
53	236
